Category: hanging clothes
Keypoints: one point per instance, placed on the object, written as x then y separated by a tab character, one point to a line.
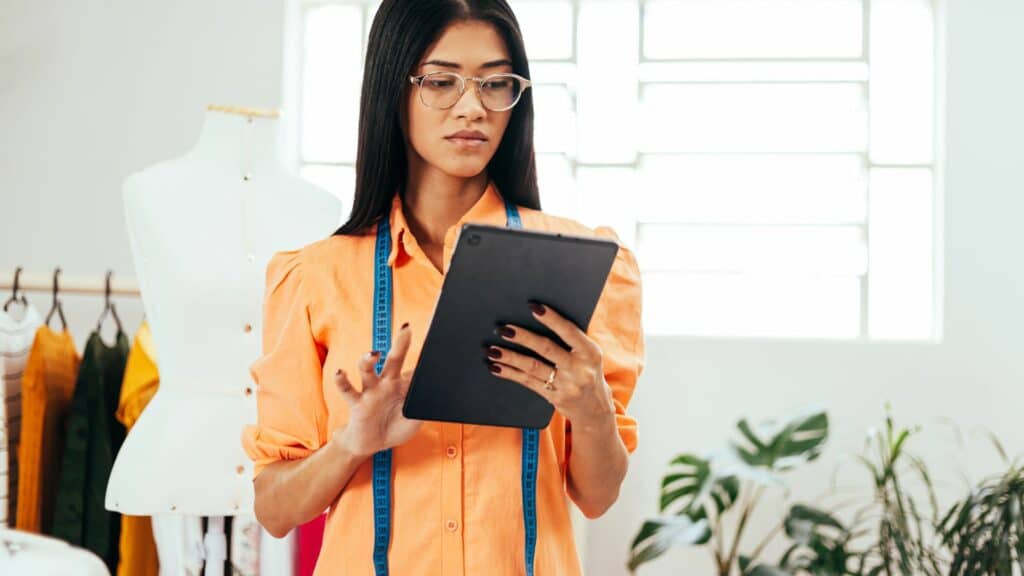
16	335
138	555
179	543
47	388
93	438
309	539
244	547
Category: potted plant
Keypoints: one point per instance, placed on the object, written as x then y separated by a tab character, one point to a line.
698	491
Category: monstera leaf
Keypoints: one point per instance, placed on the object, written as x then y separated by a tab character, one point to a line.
659	534
691	495
691	486
819	542
696	491
780	447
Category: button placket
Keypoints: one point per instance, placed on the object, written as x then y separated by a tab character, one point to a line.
452	549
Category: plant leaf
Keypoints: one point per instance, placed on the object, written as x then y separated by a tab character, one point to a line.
659	534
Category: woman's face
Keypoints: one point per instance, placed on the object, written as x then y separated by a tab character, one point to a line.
471	48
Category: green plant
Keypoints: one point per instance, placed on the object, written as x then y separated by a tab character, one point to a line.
985	530
699	491
904	531
895	531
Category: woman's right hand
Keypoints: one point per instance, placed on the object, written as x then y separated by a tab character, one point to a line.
375	416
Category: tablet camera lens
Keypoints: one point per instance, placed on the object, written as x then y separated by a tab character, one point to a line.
474	239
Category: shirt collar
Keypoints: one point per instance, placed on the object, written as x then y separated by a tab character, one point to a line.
489	209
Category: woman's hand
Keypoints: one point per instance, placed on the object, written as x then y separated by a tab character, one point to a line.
375	417
579	391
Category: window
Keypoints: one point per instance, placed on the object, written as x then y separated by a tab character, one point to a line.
772	162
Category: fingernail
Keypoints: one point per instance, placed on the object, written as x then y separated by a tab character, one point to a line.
537	309
373	355
338	373
494	352
495	368
404	326
505	331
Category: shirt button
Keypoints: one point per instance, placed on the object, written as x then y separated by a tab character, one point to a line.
451	452
452	525
251	257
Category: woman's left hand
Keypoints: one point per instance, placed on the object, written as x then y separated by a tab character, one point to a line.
579	391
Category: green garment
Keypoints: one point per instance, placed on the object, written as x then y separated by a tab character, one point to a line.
93	438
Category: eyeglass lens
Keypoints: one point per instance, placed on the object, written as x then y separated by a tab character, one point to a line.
442	90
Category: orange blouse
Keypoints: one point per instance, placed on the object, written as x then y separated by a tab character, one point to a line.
456	495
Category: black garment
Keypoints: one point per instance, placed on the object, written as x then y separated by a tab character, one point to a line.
93	438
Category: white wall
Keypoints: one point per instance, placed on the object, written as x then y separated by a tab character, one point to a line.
694	390
91	91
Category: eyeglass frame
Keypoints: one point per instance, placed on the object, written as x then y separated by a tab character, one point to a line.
418	82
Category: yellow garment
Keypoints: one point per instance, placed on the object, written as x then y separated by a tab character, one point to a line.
138	555
48	385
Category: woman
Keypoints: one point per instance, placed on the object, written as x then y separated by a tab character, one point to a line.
435	151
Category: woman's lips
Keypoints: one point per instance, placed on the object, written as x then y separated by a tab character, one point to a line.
467	142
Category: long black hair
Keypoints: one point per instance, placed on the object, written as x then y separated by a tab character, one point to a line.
402	31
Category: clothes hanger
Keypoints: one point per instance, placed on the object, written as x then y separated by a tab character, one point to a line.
57	306
14	293
108	307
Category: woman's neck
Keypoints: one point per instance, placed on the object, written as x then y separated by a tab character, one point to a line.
435	201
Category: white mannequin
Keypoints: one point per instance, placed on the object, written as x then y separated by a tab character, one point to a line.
202	228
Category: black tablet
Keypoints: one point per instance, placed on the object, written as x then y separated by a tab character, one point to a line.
493	274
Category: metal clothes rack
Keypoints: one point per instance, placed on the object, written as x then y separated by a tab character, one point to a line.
21	283
69	284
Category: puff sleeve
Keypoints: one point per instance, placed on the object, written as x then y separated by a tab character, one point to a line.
615	326
291	413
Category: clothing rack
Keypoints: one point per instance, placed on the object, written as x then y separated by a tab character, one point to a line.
68	284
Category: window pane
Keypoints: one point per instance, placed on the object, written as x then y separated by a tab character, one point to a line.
606	96
554	73
766	189
800	306
753	118
753	29
547	28
900	281
338	180
902	81
557	185
821	250
607	197
729	71
555	119
331	79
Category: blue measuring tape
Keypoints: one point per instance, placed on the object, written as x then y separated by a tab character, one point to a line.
382	296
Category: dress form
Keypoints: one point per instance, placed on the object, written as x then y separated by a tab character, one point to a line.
202	228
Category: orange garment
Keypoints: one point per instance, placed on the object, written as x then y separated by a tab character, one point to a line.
47	389
317	318
138	556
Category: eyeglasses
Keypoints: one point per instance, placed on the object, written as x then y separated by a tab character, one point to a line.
498	92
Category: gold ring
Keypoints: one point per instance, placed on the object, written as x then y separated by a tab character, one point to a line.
549	384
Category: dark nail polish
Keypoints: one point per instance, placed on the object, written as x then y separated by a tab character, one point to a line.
494	352
495	368
375	354
506	332
338	373
537	308
404	326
